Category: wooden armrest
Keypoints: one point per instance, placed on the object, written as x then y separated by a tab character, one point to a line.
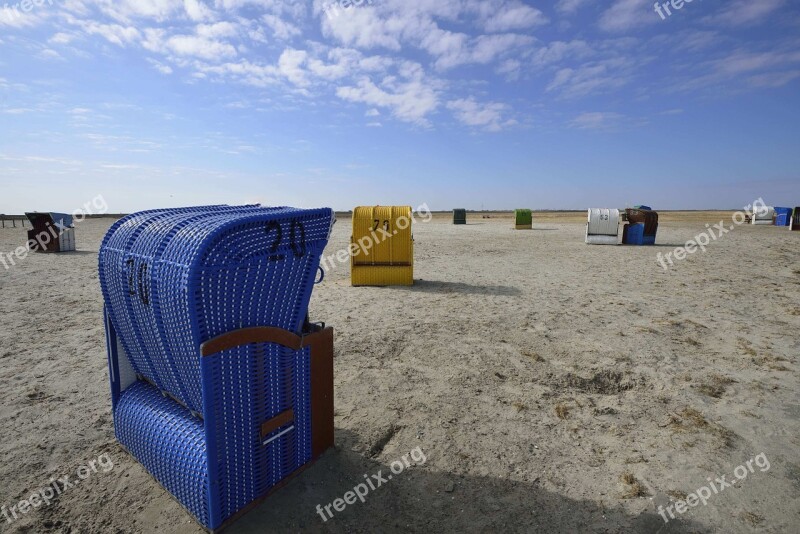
256	334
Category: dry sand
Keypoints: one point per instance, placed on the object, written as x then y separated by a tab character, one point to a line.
553	387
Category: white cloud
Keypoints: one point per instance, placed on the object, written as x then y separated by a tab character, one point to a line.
626	15
510	68
409	100
773	68
515	16
204	44
192	45
290	66
342	63
394	25
49	53
126	11
773	79
243	71
489	47
217	30
280	28
160	67
597	120
745	62
113	33
590	78
489	116
61	38
558	51
568	7
197	10
365	28
745	12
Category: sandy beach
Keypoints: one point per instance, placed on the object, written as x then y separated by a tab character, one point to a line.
552	386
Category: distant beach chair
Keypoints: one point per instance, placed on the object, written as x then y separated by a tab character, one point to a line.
783	216
51	232
764	216
523	219
602	227
12	219
642	227
220	386
382	246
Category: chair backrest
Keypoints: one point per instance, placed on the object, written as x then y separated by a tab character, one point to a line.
763	215
388	230
173	279
603	222
523	217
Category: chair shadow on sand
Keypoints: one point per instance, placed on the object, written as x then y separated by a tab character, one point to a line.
421	499
438	286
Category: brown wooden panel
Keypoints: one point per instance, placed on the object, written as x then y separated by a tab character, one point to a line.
283	418
322	431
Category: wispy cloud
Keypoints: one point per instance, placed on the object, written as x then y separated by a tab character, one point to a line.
489	116
410	100
745	12
596	120
625	15
570	6
591	78
605	121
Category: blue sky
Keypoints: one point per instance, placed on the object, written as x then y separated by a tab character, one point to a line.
457	103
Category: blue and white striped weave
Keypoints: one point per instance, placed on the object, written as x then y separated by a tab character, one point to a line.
175	278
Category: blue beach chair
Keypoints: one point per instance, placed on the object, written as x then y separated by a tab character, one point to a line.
220	386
